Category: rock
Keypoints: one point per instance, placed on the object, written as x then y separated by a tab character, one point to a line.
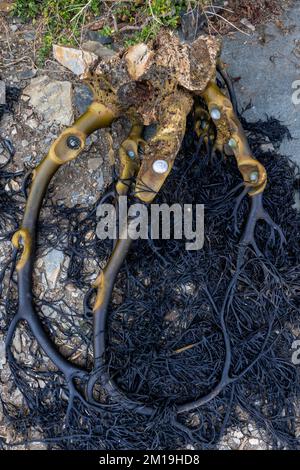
14	185
254	442
271	81
95	163
17	342
247	23
192	23
27	74
3	156
238	435
190	447
14	27
28	112
74	59
32	123
2	92
83	97
234	443
100	181
17	398
268	147
95	36
29	36
2	354
98	49
52	262
39	263
51	99
48	311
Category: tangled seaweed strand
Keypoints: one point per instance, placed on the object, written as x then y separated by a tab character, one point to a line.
212	327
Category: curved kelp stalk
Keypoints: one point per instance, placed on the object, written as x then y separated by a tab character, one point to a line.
66	148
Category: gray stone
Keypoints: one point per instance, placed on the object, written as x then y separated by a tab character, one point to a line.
17	342
2	92
32	123
52	263
192	23
3	156
14	27
83	97
234	443
100	181
2	353
269	147
29	36
247	23
52	100
95	36
267	69
98	49
95	163
27	74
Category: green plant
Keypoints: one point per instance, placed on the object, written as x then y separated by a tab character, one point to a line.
62	20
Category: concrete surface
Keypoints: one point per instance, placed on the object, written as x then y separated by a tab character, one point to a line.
268	63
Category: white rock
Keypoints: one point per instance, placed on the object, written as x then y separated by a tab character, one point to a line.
14	185
100	181
76	60
253	442
52	100
3	158
32	123
17	342
2	354
14	27
238	434
52	262
2	92
268	147
247	23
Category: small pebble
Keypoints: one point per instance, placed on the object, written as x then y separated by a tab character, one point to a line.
32	123
14	27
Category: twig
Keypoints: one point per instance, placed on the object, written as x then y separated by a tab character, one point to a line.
82	10
153	15
21	59
227	21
